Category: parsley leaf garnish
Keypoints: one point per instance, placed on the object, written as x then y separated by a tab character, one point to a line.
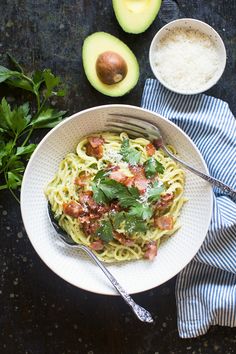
152	167
129	154
131	223
17	124
141	210
155	191
106	189
105	231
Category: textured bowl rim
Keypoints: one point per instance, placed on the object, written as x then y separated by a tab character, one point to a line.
65	121
178	23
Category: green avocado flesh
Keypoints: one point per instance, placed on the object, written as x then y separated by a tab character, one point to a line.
135	16
101	42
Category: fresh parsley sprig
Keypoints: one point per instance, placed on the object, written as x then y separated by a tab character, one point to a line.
106	189
131	223
152	167
17	124
130	154
105	231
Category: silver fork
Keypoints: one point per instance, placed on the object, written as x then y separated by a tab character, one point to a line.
142	314
137	127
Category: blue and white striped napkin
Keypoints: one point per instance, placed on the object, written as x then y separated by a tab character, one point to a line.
206	287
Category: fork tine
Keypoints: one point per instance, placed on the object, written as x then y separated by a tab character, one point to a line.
135	120
131	128
141	129
119	129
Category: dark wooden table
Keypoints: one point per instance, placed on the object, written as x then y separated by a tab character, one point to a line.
40	313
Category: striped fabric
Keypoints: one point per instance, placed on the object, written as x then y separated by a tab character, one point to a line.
206	288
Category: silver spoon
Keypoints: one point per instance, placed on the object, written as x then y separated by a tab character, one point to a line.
142	314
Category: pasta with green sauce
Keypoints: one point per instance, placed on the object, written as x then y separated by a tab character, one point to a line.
119	196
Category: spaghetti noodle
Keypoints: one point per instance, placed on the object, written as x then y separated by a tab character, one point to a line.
119	196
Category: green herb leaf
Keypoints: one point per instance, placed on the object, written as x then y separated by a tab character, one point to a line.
105	231
13	180
15	63
141	210
48	118
154	193
118	219
134	224
16	120
38	78
17	125
130	155
23	150
127	197
5	151
20	82
6	73
100	175
98	195
152	167
130	223
115	190
51	82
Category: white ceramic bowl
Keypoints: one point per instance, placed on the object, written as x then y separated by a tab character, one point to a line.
75	267
189	23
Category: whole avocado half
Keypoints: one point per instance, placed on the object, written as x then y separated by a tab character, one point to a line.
110	66
135	16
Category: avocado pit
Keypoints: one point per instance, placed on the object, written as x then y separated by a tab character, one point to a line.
111	68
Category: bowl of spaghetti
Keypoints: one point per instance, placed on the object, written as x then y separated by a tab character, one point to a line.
121	196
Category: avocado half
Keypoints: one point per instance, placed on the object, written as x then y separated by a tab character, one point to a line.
98	52
135	16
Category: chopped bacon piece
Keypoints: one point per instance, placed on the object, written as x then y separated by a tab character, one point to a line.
102	209
139	179
111	167
87	199
150	148
167	197
81	180
95	141
118	176
123	239
129	181
97	245
73	209
151	250
84	219
141	183
157	143
115	207
165	202
95	152
90	228
137	170
164	222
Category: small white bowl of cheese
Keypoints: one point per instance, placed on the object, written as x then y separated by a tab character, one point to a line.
187	56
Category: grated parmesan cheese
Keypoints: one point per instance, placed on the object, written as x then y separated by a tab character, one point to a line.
113	155
186	59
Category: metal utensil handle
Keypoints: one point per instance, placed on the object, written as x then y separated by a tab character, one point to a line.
139	311
215	182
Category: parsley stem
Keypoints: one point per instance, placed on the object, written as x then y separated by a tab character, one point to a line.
28	136
14	195
3	186
42	105
9	161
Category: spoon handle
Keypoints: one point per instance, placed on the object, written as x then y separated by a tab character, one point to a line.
215	182
142	314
